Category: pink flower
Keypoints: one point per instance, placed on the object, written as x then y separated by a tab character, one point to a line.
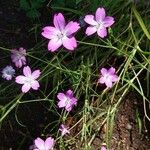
40	144
66	100
103	148
64	130
18	57
61	34
29	79
8	72
108	77
99	23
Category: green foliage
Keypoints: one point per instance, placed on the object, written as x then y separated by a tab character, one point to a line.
66	3
140	21
32	7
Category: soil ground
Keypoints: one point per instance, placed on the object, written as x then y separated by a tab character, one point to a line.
126	135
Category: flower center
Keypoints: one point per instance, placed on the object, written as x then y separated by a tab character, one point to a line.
99	24
20	55
29	80
67	100
61	35
10	72
108	76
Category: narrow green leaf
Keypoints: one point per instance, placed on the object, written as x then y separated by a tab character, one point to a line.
33	13
139	19
78	1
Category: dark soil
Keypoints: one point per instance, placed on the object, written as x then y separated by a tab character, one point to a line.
13	25
126	134
126	131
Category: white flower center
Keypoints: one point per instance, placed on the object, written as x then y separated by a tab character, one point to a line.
99	24
61	34
67	100
29	80
108	76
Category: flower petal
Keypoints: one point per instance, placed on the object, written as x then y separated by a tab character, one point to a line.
108	21
14	51
36	74
111	70
108	83
49	32
71	27
18	63
63	99
22	50
20	79
74	101
54	44
64	130
101	80
71	103
114	78
59	21
102	32
24	61
61	104
25	88
39	143
35	85
100	14
61	96
49	143
103	148
104	71
90	30
69	93
90	20
69	107
27	71
70	43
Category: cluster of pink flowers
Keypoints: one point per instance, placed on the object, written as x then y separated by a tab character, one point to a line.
28	80
67	101
18	57
61	34
49	143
